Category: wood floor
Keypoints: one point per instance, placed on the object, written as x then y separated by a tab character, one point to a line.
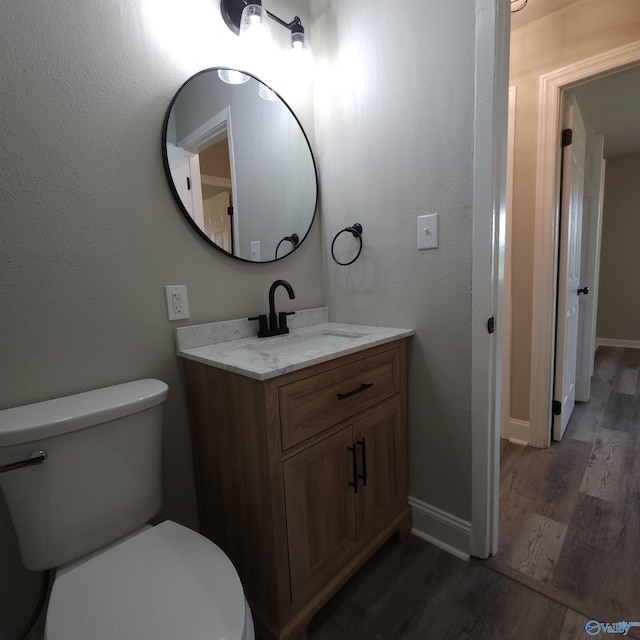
412	591
570	514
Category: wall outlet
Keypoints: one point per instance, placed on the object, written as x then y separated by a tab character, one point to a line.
255	250
428	231
177	303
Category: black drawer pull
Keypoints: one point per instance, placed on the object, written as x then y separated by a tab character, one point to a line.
354	463
362	387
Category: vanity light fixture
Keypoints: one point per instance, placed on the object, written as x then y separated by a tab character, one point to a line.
248	18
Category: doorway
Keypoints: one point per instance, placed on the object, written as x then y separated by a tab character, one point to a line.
546	211
564	524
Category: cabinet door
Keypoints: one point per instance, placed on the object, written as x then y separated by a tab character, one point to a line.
381	444
320	512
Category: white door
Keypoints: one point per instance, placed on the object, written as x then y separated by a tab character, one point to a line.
590	264
185	172
217	222
571	198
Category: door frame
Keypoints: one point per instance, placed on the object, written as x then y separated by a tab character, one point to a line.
508	429
491	75
546	224
209	132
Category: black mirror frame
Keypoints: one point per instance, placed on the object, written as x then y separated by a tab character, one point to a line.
174	191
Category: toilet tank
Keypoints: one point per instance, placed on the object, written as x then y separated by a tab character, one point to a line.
102	475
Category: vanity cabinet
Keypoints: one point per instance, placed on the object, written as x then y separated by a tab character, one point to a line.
302	477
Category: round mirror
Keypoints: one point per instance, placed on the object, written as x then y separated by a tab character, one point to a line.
240	165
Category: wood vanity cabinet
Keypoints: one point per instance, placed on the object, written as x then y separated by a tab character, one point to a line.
302	477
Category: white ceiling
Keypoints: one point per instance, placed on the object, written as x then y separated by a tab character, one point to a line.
609	105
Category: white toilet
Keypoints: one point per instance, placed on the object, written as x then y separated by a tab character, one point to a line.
82	477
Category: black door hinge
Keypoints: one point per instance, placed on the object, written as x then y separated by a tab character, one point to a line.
188	183
491	324
230	211
556	407
567	137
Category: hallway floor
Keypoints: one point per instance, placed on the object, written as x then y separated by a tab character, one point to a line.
570	514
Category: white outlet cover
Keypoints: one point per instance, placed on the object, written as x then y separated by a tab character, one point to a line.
428	231
177	302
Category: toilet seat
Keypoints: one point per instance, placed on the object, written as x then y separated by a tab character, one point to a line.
167	582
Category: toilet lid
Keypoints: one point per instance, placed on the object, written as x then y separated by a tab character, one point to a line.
167	582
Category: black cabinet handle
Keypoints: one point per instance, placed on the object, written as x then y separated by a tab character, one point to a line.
354	463
362	387
363	475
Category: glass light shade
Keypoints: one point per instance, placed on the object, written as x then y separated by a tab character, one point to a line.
300	58
230	76
254	28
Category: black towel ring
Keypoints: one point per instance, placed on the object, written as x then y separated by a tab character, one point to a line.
294	239
356	232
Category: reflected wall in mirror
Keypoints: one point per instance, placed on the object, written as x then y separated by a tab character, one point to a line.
240	166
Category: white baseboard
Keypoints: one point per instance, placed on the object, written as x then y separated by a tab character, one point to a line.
516	431
613	342
445	531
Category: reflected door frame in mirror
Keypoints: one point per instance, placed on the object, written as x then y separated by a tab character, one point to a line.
271	176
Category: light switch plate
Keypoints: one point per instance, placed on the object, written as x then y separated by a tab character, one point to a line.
255	250
428	231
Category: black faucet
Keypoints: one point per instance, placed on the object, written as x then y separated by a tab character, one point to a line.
276	323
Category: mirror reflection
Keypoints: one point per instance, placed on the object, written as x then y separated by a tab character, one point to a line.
240	165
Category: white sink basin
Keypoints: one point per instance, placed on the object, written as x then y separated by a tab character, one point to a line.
292	344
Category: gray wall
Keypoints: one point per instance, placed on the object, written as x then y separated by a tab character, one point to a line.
394	127
619	288
90	233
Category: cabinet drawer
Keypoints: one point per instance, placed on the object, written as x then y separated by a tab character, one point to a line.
313	404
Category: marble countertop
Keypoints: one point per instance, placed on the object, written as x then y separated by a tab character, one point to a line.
264	358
